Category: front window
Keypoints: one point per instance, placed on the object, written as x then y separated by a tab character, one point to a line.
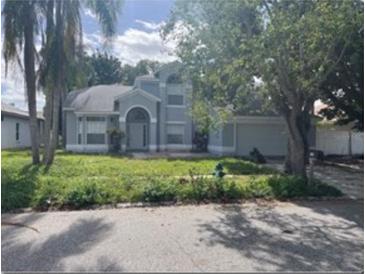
175	134
17	126
79	134
96	129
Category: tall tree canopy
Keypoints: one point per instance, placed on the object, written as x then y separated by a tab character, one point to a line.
105	69
343	90
290	46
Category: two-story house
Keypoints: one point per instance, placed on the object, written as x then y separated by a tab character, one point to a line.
154	115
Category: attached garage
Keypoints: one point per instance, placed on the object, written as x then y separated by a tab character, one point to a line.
242	133
269	138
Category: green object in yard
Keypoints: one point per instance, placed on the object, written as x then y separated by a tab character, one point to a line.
218	171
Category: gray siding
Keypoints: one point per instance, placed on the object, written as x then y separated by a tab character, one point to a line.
228	135
269	139
176	114
151	87
71	130
215	137
8	132
137	100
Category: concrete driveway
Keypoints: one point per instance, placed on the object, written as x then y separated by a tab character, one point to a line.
305	236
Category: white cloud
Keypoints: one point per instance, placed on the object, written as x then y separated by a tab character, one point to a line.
150	25
133	45
89	13
13	87
130	47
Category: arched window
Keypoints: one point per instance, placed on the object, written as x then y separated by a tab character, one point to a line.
137	115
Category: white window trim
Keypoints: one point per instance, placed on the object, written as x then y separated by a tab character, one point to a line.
176	106
176	122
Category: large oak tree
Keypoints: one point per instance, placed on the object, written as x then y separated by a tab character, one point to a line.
290	47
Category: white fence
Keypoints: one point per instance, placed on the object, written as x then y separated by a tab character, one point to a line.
339	142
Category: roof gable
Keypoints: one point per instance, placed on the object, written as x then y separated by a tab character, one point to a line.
141	92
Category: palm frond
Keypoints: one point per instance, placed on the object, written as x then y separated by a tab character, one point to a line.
107	12
13	26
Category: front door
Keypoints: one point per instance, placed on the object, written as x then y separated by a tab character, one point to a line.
137	136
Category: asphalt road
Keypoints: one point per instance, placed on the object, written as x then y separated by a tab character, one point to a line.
306	236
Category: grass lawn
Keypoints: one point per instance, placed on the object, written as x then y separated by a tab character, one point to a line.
79	180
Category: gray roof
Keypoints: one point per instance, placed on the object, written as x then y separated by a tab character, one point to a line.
147	77
14	111
95	99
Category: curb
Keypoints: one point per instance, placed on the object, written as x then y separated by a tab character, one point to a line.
167	204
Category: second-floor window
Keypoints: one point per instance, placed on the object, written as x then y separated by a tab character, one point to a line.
175	100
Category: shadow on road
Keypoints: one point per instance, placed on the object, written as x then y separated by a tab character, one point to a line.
48	255
287	242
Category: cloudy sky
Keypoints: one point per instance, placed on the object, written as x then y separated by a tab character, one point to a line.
137	38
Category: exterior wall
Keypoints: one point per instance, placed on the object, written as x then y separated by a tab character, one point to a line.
228	135
73	123
125	105
71	128
151	87
337	142
88	148
269	139
174	115
240	135
8	132
137	101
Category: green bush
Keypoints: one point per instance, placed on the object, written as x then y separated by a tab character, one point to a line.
49	193
158	190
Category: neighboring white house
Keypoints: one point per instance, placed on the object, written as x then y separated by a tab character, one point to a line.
15	131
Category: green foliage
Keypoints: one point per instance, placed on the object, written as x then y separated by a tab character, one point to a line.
157	190
105	69
79	181
343	89
253	56
129	72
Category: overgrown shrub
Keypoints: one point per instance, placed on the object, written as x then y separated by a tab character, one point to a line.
77	181
159	190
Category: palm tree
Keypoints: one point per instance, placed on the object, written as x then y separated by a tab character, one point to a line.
20	24
62	47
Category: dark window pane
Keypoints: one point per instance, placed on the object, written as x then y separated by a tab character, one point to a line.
95	119
17	131
95	138
174	138
137	115
79	138
175	100
174	79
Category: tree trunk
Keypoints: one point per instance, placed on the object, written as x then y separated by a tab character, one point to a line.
31	86
296	158
53	136
55	99
48	123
